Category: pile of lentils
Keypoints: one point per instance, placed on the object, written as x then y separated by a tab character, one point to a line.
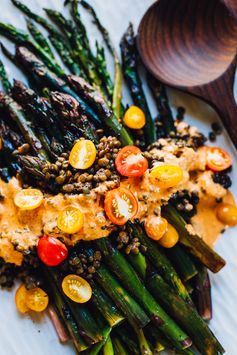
222	178
81	264
126	242
186	203
28	272
70	180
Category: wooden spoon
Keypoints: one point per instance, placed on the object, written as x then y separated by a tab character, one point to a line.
191	45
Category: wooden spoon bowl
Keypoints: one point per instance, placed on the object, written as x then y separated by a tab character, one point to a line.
191	45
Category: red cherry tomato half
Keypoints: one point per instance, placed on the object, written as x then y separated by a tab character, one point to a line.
120	205
218	159
130	162
51	251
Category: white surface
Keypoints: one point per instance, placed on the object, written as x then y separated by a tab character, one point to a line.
21	336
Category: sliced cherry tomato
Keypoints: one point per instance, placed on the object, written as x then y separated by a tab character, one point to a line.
170	238
76	288
83	154
28	199
155	227
130	162
36	299
51	251
70	220
120	205
134	118
20	299
218	159
167	175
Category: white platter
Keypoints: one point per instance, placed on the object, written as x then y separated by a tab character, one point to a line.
22	336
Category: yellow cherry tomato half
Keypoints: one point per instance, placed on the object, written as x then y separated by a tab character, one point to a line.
170	238
20	299
76	288
83	154
36	299
155	227
134	118
167	175
70	220
227	214
28	199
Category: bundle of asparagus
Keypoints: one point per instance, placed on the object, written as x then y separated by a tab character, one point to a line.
146	292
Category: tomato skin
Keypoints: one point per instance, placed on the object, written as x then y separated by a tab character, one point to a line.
76	288
70	220
166	176
83	154
217	159
51	251
28	199
20	299
112	202
130	162
36	299
155	227
170	238
134	118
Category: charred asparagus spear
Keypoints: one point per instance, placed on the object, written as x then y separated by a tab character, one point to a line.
22	38
17	114
56	38
202	294
4	78
96	100
192	242
129	58
39	37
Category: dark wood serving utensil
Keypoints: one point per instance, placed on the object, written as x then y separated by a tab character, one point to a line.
192	45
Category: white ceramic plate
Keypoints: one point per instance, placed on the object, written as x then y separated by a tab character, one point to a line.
24	336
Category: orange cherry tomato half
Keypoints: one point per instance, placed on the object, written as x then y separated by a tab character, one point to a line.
130	162
120	205
76	288
218	159
51	251
20	299
155	227
28	199
36	299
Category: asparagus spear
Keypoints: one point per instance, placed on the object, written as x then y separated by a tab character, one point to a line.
42	111
108	347
159	93
116	103
106	306
47	78
66	315
32	165
126	274
126	304
4	78
119	348
122	332
184	313
192	242
102	70
39	37
129	58
143	343
22	38
160	261
183	262
65	54
202	294
18	115
75	41
96	100
68	109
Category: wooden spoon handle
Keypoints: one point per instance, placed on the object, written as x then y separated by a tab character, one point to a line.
219	94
